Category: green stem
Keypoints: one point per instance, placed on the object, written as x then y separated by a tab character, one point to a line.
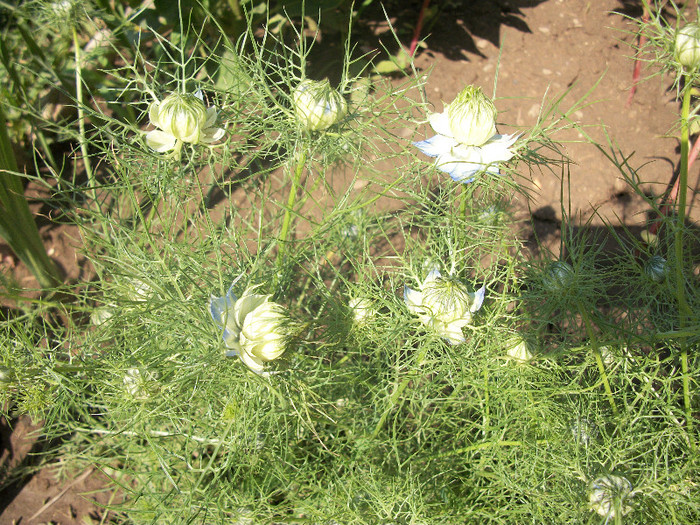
286	222
481	446
81	115
396	394
684	312
598	358
17	225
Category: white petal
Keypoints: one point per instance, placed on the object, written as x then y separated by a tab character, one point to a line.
210	118
496	149
255	364
247	304
433	275
153	114
477	299
210	135
436	145
453	331
413	299
440	122
160	141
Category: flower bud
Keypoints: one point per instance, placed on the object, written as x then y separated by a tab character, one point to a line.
687	46
317	105
181	115
558	277
472	117
607	495
519	350
6	377
656	268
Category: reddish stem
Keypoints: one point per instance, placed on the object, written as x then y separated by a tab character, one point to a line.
417	30
670	200
641	40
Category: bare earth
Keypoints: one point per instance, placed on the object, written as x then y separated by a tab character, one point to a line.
546	47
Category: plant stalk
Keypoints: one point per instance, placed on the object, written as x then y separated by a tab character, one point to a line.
684	312
399	390
598	358
81	116
286	222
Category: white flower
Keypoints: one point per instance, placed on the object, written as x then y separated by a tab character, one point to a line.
317	105
444	305
362	309
519	350
466	141
254	327
687	46
607	495
137	384
182	118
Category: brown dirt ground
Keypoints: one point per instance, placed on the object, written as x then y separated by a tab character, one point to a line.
546	47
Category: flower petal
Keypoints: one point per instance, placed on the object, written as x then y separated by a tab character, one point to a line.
413	299
433	275
453	331
153	114
160	141
440	122
497	149
252	362
210	117
436	145
247	304
477	299
210	135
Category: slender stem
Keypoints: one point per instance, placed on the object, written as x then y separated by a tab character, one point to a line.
399	390
81	115
481	446
286	222
598	358
684	312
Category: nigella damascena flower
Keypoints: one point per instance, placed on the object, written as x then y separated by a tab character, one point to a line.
182	117
444	305
255	328
609	494
317	105
363	310
466	142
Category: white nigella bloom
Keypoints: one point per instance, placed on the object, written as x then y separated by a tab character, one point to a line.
254	327
362	309
466	141
317	105
608	494
687	46
444	305
182	118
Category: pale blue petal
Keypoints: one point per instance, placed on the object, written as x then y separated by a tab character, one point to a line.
477	299
436	145
433	275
